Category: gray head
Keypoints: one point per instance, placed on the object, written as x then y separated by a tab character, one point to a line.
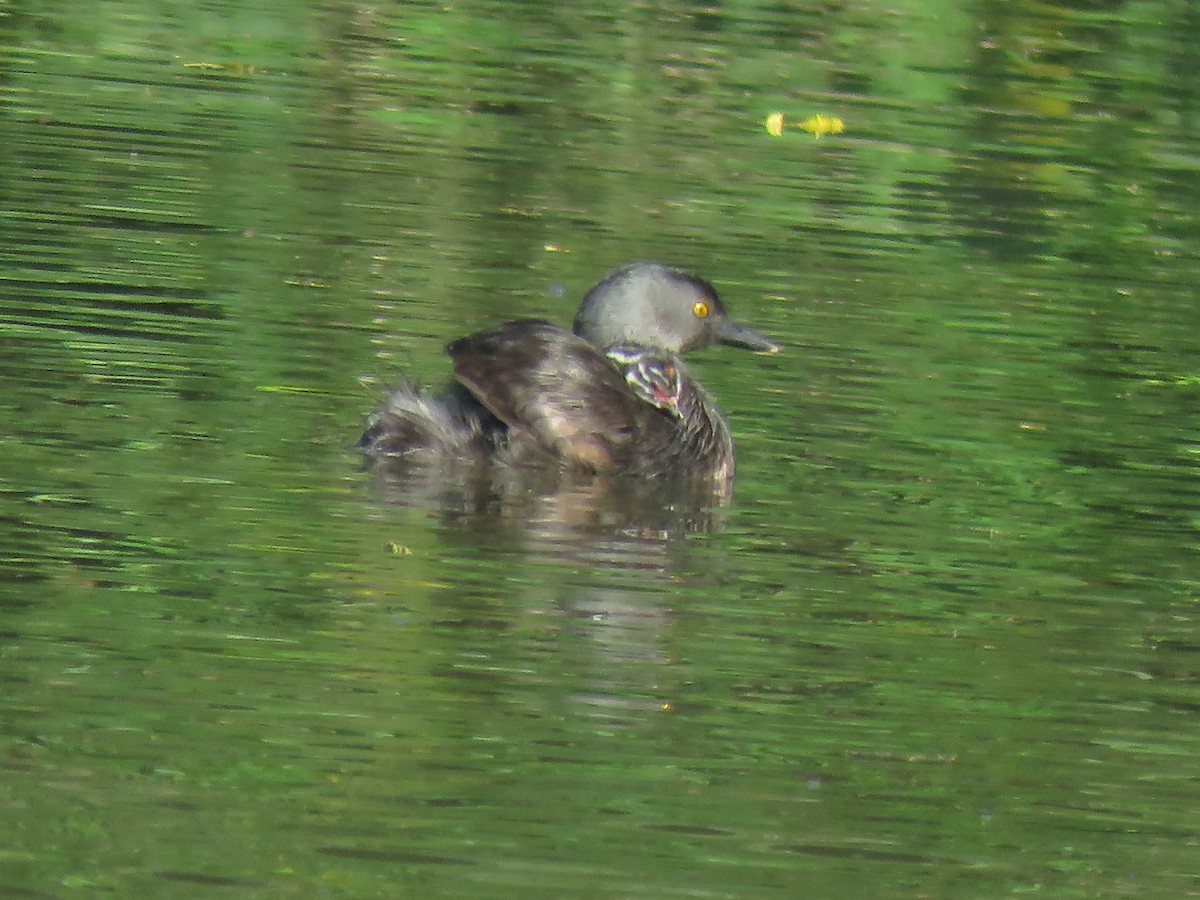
656	305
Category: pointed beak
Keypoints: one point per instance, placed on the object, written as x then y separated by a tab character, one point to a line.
729	332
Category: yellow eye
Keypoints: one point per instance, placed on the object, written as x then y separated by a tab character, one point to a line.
700	309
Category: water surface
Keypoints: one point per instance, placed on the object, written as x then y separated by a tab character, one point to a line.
941	644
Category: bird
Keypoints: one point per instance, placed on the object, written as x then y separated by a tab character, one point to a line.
610	396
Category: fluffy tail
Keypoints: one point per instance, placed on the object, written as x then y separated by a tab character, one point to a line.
413	423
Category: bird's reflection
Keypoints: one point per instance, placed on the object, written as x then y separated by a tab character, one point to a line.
551	508
600	556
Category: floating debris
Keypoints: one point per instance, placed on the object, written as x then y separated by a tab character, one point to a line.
232	68
818	125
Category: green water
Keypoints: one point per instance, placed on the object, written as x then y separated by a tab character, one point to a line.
942	644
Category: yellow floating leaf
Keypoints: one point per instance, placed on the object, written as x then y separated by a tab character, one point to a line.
774	124
819	125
